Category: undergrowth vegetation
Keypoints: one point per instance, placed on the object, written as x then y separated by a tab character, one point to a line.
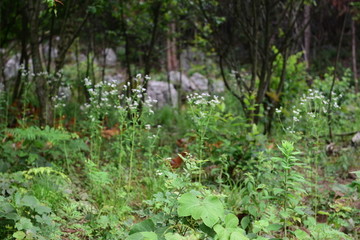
117	168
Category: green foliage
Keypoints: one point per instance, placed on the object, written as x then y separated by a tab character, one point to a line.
22	214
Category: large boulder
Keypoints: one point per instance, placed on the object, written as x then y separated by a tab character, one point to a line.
199	82
355	141
12	67
218	87
110	57
163	92
180	80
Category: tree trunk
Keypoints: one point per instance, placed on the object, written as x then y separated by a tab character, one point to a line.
171	53
353	54
307	35
42	90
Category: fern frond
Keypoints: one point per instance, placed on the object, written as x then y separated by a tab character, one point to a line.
48	134
29	174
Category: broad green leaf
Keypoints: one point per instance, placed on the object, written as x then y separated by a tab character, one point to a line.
24	224
231	221
144	226
42	209
274	227
301	235
212	211
221	232
135	236
253	211
149	236
237	235
30	201
190	205
19	235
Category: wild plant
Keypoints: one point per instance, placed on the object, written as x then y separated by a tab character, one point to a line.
187	209
4	107
24	205
96	110
203	112
291	184
308	121
133	114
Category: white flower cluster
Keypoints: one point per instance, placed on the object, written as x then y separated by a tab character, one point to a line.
105	96
317	99
59	100
204	99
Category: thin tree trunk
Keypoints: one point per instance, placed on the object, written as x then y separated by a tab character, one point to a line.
307	35
353	53
172	63
50	41
148	56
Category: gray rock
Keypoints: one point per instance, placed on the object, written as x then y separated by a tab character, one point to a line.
181	80
12	67
199	82
218	87
356	139
164	93
64	93
54	51
111	57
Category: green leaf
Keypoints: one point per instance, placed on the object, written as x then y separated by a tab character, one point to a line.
274	227
135	236
278	190
210	210
19	235
238	236
29	201
24	224
245	222
253	211
144	226
301	235
221	232
189	206
149	236
231	221
42	209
